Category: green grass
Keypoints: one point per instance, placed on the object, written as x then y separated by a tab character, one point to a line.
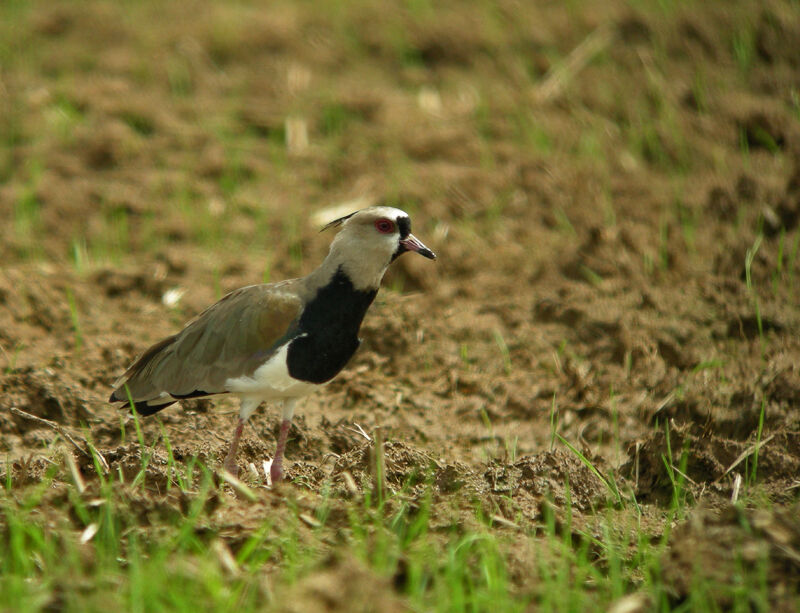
752	291
500	341
27	214
676	474
75	318
753	476
203	177
531	133
11	357
99	548
160	540
608	483
743	46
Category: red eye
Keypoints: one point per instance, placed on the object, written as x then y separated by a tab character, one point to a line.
384	226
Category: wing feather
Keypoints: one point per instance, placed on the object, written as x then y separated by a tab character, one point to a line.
230	339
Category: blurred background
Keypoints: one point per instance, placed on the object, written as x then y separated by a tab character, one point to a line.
612	188
136	128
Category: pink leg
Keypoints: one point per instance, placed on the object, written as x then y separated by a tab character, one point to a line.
276	470
230	459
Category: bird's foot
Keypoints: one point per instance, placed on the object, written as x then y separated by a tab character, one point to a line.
230	460
230	466
276	472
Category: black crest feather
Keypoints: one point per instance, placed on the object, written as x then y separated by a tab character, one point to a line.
337	222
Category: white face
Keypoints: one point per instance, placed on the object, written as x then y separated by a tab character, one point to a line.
386	211
379	221
367	242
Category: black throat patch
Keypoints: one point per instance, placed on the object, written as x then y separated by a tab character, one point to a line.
329	330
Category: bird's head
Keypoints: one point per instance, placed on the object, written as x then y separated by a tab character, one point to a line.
371	239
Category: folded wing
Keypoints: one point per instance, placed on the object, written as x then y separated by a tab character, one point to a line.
230	339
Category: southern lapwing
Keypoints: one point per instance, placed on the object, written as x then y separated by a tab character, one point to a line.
276	341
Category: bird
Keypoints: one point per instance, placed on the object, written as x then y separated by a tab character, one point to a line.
276	341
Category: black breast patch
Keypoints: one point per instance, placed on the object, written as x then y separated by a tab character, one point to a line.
328	330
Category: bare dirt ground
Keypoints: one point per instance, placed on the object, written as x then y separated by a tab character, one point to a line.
613	191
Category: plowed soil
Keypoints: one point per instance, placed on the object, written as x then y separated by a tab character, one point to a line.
613	190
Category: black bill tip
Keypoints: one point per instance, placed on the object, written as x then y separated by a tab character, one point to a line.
427	253
412	243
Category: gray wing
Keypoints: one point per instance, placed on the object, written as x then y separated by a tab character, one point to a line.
229	339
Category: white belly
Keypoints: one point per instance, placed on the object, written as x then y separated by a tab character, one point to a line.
271	380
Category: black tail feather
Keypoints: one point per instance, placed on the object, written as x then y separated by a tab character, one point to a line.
194	394
142	408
